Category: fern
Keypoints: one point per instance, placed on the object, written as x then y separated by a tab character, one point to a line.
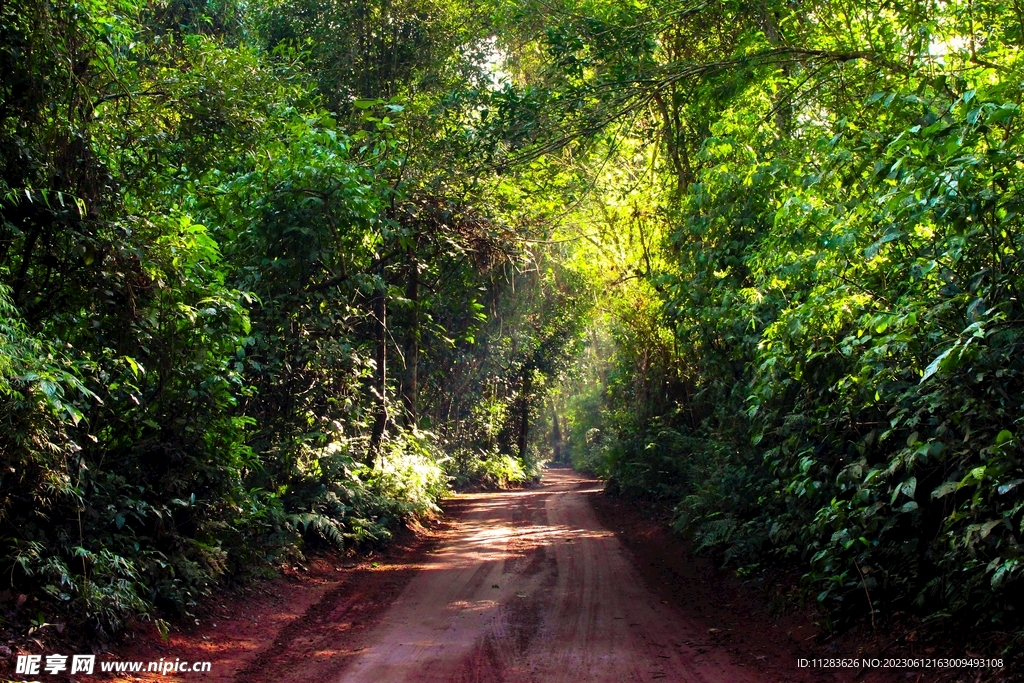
327	528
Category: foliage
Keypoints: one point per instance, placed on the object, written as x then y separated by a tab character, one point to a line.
828	376
241	311
277	274
490	470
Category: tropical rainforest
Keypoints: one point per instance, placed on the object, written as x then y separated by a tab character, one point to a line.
277	275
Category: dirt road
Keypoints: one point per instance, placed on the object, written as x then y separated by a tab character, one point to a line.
532	588
514	587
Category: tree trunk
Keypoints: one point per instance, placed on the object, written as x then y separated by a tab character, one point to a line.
380	380
410	378
524	411
556	434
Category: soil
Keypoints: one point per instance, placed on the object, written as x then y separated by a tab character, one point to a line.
553	584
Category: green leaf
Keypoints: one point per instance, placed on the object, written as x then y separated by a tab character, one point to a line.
933	367
164	629
1003	113
987	528
945	489
136	368
977	474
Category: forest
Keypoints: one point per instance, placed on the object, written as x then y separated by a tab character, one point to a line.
278	275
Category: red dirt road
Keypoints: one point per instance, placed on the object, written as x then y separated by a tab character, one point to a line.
531	588
515	587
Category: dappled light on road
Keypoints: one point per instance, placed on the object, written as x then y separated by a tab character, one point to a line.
532	588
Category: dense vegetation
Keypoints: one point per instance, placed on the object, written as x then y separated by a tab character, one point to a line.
250	296
281	273
815	351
